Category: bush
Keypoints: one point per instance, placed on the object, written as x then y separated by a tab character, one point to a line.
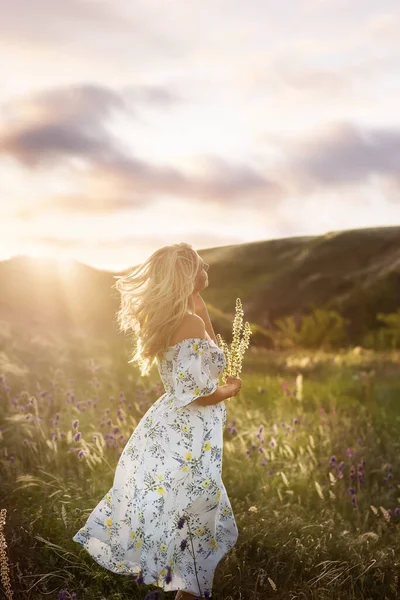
323	329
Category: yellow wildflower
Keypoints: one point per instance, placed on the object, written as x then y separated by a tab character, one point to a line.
163	548
109	522
213	542
195	346
139	544
160	477
161	490
207	446
133	534
185	428
188	455
197	391
206	483
185	469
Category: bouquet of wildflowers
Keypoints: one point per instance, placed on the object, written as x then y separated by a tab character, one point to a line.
234	352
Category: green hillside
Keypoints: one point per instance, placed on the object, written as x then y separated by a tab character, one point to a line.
355	272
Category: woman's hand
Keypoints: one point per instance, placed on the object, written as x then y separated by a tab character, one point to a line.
235	383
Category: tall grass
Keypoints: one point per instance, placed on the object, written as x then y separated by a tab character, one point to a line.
311	466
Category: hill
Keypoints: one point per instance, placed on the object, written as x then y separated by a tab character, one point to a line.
356	272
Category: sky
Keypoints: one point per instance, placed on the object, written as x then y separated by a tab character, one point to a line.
130	125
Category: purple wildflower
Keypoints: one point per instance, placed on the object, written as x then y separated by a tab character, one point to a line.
139	578
168	576
183	544
181	522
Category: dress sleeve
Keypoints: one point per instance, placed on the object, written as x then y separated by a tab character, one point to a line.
192	377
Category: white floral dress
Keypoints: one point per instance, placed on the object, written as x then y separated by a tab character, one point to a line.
170	468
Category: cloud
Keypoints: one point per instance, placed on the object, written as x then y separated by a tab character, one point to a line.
52	128
125	184
44	128
156	95
86	35
58	22
344	153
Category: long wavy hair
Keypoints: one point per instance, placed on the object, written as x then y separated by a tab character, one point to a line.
155	298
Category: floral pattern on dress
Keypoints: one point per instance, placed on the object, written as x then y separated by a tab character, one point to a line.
170	467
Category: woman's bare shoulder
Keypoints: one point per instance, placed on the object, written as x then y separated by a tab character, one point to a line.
192	326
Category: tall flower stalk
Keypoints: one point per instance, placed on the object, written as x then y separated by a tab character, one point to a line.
234	353
193	555
5	572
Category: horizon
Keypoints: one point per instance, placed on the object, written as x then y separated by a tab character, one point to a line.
68	262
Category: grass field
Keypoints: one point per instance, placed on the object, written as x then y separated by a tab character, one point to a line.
311	466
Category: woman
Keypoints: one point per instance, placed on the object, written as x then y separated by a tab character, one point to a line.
167	516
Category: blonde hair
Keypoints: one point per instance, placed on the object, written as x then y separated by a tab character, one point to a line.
155	298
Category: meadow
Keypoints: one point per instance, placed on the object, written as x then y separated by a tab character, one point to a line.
311	466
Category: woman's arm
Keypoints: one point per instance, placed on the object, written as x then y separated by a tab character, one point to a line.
223	392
